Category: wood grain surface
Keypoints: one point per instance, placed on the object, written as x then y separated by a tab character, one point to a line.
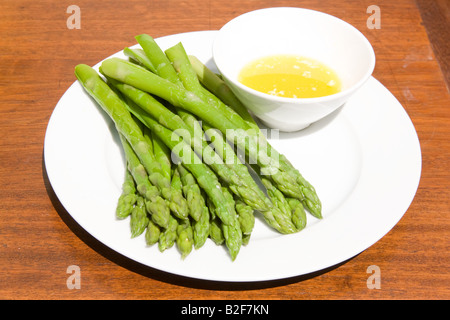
39	240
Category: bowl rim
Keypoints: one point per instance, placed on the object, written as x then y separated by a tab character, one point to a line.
262	95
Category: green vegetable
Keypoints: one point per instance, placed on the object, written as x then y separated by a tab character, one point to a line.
157	58
177	185
139	219
246	217
139	56
215	232
128	197
232	232
201	228
197	207
168	236
192	193
152	233
155	205
298	213
161	152
282	211
185	238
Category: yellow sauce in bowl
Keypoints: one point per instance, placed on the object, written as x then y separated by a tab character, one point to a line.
290	76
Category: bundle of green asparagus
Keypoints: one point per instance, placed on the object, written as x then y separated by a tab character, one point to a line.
197	165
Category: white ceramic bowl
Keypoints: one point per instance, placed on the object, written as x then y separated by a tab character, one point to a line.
304	32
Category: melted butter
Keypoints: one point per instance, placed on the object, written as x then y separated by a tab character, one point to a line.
290	76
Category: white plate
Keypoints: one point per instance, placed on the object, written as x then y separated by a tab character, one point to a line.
364	160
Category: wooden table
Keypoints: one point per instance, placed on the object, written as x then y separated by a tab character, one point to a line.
38	238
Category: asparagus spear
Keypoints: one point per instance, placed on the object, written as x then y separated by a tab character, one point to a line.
201	228
139	219
139	56
220	89
168	236
215	232
181	64
246	217
192	193
185	238
128	197
232	233
112	104
155	205
281	206
157	58
197	207
233	238
177	185
298	213
245	239
160	152
152	233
